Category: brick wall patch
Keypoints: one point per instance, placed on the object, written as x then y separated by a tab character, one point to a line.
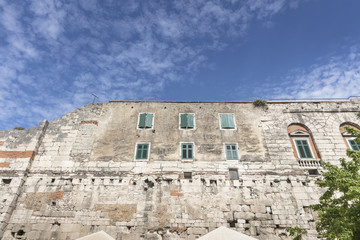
89	122
56	195
16	154
176	193
4	164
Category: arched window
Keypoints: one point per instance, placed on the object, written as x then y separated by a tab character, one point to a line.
304	147
348	138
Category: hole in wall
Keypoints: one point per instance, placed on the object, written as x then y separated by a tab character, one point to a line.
288	180
53	203
6	180
53	180
93	180
232	223
56	223
213	182
149	183
188	175
313	172
20	234
134	183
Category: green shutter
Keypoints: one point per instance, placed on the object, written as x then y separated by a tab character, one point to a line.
234	152
231	152
223	121
184	120
149	120
190	120
231	123
303	149
187	151
142	120
354	145
227	121
142	151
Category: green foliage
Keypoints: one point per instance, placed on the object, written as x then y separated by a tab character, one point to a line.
339	207
19	128
296	232
260	102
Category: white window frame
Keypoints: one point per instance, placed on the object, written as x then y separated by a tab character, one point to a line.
308	142
148	154
152	122
348	139
186	129
193	154
237	151
230	129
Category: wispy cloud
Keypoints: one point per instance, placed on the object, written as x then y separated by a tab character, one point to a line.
337	76
54	54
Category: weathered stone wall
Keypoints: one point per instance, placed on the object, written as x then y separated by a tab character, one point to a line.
18	148
84	177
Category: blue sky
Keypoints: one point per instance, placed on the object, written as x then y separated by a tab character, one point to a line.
54	54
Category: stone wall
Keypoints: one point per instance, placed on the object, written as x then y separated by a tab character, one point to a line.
83	176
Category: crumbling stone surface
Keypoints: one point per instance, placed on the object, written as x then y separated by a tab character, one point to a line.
83	176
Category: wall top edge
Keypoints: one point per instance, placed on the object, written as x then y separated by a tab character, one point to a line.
269	102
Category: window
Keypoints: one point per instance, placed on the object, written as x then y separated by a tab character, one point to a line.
187	175
348	138
303	148
303	145
233	173
354	145
187	121
227	121
187	151
231	152
146	120
142	151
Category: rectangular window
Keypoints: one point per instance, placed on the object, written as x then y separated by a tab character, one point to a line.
187	121
233	173
354	145
231	152
187	151
187	175
142	151
227	121
303	148
146	120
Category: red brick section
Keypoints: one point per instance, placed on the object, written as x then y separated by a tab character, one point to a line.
89	122
4	164
56	195
176	193
16	154
1	143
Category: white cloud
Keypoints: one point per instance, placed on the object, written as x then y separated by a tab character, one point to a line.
58	52
336	77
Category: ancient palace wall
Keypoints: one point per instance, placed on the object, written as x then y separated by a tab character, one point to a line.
235	165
